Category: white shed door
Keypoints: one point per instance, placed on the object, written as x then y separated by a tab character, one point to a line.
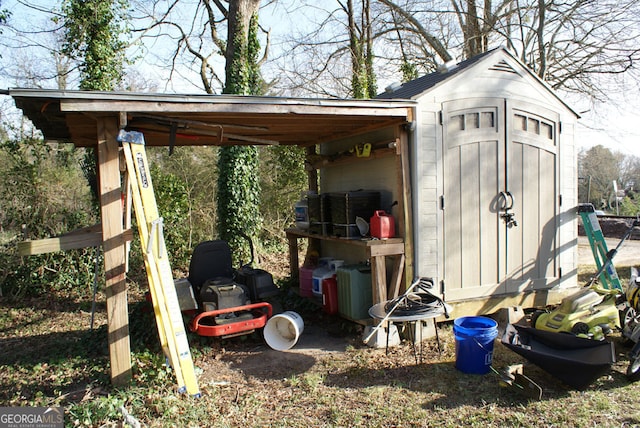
499	202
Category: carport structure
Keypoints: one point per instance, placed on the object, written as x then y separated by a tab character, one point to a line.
93	119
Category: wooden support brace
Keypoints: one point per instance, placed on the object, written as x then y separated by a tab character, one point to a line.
114	251
90	236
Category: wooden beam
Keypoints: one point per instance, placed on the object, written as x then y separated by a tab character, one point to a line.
90	236
240	106
86	237
324	161
114	250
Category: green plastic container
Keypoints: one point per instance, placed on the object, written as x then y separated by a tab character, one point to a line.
355	296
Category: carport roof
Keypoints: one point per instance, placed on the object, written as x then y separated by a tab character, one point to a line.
168	119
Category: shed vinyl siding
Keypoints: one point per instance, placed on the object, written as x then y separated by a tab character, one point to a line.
473	140
500	164
568	218
426	200
499	132
533	172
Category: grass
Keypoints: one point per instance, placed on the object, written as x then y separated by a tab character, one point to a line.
50	357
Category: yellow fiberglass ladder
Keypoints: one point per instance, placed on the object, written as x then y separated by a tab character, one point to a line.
173	336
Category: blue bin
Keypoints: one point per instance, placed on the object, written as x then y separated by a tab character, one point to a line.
474	343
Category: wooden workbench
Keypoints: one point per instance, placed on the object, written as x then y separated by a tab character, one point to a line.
376	250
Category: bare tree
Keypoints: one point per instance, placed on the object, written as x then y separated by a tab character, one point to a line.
191	40
576	46
581	46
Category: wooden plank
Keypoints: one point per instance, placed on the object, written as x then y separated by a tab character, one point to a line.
90	236
390	249
293	255
396	278
357	242
321	161
114	251
312	173
379	279
238	106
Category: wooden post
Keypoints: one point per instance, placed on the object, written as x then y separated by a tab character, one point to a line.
113	244
312	172
405	225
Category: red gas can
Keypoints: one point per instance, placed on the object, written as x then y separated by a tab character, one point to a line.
382	225
330	295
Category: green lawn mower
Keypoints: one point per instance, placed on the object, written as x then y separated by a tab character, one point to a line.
592	312
595	311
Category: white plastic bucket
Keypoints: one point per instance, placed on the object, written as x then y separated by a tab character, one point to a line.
283	330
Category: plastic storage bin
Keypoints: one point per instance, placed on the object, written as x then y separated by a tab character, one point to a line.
346	206
319	214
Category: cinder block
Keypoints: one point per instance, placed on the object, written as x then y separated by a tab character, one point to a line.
418	331
378	338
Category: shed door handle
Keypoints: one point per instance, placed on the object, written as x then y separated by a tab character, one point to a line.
508	200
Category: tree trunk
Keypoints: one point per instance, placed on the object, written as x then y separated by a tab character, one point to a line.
238	185
239	22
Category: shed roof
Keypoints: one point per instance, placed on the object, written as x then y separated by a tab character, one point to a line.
415	87
495	59
167	119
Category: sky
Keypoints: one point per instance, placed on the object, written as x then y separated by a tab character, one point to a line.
614	127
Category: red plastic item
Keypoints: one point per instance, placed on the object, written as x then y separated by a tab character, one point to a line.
306	280
382	225
204	324
330	295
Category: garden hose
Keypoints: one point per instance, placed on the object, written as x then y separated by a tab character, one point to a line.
417	302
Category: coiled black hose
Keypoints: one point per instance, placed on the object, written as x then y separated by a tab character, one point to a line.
420	301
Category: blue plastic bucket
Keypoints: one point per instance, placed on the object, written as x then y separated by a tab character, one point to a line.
474	343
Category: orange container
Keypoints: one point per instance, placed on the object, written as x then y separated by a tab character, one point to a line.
382	225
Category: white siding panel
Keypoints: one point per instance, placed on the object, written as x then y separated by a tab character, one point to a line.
425	196
376	174
568	224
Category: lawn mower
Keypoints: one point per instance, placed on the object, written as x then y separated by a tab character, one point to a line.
595	311
591	312
230	302
630	319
